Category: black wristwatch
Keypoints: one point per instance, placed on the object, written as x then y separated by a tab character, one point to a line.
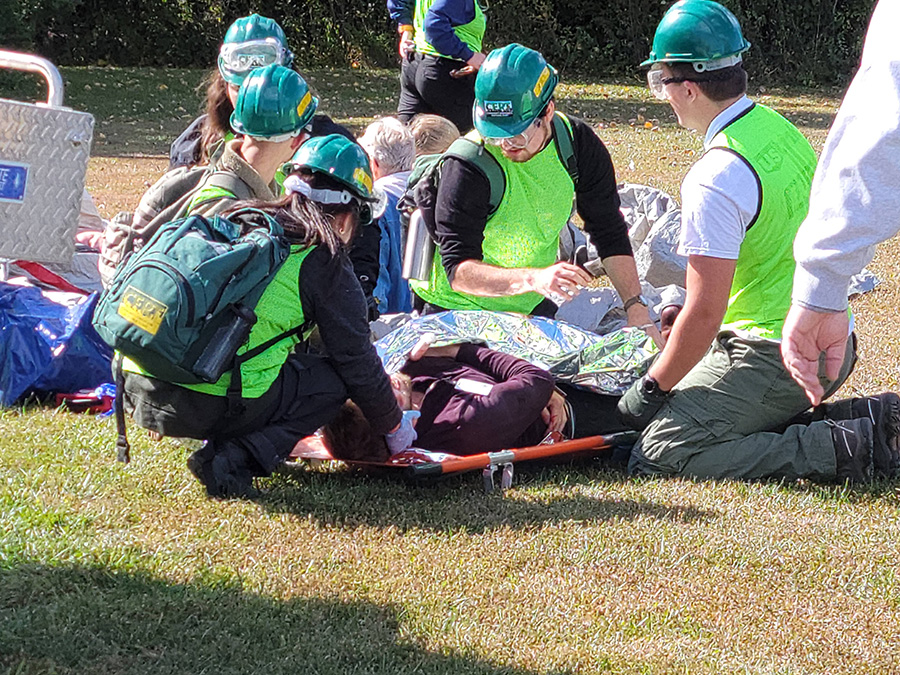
651	387
638	299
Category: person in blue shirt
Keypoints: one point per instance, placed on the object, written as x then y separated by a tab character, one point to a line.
440	44
391	151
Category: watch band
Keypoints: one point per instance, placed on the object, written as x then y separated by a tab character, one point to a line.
634	300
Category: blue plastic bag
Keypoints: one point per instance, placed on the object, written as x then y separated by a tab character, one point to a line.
47	343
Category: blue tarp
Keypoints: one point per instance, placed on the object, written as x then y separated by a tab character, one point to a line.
47	343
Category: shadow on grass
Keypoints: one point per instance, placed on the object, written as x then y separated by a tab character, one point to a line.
348	499
93	620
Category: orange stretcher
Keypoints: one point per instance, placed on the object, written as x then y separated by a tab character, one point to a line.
422	464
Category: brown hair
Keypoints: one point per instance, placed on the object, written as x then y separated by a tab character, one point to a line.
350	437
303	221
432	134
717	85
218	113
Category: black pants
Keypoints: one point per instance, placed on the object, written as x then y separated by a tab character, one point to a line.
426	86
307	394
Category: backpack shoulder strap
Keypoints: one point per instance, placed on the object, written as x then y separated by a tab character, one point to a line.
226	180
475	154
217	185
565	145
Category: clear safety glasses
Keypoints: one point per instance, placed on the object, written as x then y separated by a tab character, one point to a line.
520	141
242	57
657	81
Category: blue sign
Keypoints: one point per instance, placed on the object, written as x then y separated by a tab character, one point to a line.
13	179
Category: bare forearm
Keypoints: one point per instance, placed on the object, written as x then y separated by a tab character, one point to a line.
479	278
693	333
623	275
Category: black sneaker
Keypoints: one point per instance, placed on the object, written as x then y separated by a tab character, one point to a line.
884	412
853	440
231	473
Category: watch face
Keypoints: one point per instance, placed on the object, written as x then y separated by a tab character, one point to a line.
651	386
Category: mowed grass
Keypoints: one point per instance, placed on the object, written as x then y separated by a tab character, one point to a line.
106	568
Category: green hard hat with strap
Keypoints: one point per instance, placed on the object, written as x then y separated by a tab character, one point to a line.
701	32
252	42
274	103
513	86
339	157
346	163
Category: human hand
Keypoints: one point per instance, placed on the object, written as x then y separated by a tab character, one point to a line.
92	239
667	319
639	317
559	282
407	45
404	435
555	415
807	334
423	348
640	404
471	67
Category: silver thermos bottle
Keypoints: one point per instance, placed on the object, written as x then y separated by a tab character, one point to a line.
419	255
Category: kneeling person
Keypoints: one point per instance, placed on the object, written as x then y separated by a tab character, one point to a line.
718	402
505	260
288	394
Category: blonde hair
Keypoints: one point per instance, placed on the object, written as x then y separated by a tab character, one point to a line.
432	134
390	143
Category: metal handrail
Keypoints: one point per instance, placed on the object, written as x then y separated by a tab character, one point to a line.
39	65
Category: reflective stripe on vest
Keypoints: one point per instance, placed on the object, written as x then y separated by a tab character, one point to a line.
784	163
471	34
523	232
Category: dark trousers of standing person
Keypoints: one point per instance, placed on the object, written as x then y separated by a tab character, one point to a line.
307	394
426	86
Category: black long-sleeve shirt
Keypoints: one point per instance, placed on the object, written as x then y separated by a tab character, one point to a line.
463	203
332	298
464	423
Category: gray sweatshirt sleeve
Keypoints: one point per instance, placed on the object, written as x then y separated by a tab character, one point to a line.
855	199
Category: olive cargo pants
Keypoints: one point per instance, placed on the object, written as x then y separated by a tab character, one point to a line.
727	419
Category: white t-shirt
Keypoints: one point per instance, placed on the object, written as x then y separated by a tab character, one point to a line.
720	196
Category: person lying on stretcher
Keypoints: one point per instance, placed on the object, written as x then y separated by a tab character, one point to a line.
472	399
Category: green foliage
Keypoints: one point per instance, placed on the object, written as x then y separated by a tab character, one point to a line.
806	42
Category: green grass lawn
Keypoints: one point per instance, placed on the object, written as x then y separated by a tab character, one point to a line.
106	568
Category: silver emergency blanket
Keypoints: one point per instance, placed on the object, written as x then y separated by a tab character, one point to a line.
606	364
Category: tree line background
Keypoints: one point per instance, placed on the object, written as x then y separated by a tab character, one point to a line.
794	41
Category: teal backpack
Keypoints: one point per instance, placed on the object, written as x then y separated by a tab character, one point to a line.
182	305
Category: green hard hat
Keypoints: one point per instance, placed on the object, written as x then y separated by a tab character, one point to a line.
701	32
273	103
339	157
252	42
513	86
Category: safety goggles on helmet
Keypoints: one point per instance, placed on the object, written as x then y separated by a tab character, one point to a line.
242	57
369	209
657	81
519	141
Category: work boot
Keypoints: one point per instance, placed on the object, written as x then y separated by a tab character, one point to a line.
883	411
231	473
853	449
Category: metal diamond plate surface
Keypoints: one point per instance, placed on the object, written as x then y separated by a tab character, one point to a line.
43	160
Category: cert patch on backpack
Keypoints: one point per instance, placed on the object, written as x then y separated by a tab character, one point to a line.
140	309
